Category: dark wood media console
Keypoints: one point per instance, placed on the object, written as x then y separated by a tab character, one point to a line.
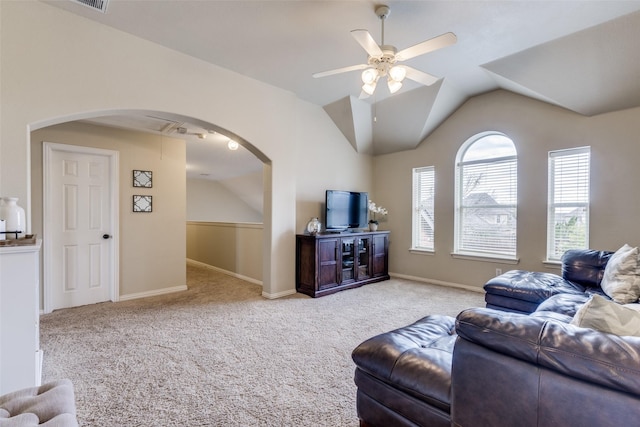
330	262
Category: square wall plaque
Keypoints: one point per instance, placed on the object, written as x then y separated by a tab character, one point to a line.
142	179
142	203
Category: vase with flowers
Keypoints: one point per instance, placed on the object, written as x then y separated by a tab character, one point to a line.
376	212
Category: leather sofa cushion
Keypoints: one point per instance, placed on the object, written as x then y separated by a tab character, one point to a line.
531	286
567	304
551	315
500	302
585	266
604	359
415	359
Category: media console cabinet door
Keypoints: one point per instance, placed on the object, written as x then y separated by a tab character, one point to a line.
380	260
327	263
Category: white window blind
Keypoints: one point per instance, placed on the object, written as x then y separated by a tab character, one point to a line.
423	208
568	205
486	198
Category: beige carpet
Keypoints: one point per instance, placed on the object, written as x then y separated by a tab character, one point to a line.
221	355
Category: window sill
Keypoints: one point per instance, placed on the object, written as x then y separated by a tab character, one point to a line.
552	263
418	251
486	258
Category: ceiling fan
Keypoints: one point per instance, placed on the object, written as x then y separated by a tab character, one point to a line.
383	59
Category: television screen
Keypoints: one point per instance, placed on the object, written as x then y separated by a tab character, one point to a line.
346	209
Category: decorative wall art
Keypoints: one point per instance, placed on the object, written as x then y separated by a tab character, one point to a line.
143	179
142	203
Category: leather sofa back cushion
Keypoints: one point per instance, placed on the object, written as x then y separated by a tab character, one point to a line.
593	356
585	266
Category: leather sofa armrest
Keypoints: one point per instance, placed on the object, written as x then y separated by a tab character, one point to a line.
379	355
608	360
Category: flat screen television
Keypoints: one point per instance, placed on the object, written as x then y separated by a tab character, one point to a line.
346	210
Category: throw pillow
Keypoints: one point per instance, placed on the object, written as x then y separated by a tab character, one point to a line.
607	316
621	281
635	306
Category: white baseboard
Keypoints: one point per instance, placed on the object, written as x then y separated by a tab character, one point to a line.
437	282
223	271
39	360
279	294
153	293
245	278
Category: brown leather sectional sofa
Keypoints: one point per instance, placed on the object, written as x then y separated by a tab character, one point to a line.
496	367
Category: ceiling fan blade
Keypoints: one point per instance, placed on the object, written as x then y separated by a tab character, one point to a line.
367	42
420	76
443	40
340	70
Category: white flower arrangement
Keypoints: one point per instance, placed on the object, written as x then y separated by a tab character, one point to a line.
379	210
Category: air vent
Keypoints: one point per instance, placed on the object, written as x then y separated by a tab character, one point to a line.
100	5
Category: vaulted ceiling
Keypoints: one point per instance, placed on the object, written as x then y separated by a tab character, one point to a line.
580	55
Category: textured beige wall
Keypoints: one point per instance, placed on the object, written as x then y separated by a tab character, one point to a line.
234	248
57	67
212	201
535	128
329	163
145	238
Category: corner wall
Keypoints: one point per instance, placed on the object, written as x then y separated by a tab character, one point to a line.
535	128
325	161
232	248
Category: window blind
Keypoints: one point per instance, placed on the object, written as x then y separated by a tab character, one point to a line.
487	207
423	208
568	201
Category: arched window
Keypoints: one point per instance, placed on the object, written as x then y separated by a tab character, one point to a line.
486	197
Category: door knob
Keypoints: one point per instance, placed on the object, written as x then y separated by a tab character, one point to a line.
106	236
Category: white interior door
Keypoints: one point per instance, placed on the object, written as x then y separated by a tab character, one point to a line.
80	226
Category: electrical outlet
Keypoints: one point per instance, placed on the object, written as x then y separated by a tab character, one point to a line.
498	271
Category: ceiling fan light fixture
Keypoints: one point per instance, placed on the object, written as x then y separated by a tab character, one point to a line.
369	88
369	76
398	73
394	85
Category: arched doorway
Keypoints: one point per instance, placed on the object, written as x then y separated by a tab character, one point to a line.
163	153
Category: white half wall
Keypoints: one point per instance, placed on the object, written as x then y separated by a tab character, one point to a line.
232	248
